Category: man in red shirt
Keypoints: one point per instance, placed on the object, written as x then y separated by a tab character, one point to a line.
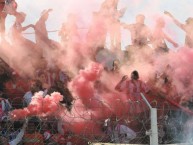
133	88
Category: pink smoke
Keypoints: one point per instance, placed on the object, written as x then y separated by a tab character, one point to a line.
181	63
39	106
82	85
87	128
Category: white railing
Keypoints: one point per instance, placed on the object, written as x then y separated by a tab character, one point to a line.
153	132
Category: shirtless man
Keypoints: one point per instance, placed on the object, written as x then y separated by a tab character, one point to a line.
159	37
188	28
140	33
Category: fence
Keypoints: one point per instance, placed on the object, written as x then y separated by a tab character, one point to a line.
173	124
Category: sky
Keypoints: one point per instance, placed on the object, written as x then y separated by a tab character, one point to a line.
181	9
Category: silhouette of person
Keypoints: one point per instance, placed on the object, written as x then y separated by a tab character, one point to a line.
159	37
187	27
140	33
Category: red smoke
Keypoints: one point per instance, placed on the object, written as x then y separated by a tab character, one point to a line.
87	128
109	103
102	105
82	85
116	103
39	106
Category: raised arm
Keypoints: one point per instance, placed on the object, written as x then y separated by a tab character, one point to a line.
178	23
45	14
119	85
121	12
126	26
170	40
27	27
116	3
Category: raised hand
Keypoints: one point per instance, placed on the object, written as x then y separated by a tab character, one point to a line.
125	77
168	14
122	12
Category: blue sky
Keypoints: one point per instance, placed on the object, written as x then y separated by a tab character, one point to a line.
181	9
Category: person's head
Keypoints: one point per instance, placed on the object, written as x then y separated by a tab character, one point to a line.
116	63
135	75
59	84
41	76
140	19
189	21
20	17
160	22
35	86
113	120
97	84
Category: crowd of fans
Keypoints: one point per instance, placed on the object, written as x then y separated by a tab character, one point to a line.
18	87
